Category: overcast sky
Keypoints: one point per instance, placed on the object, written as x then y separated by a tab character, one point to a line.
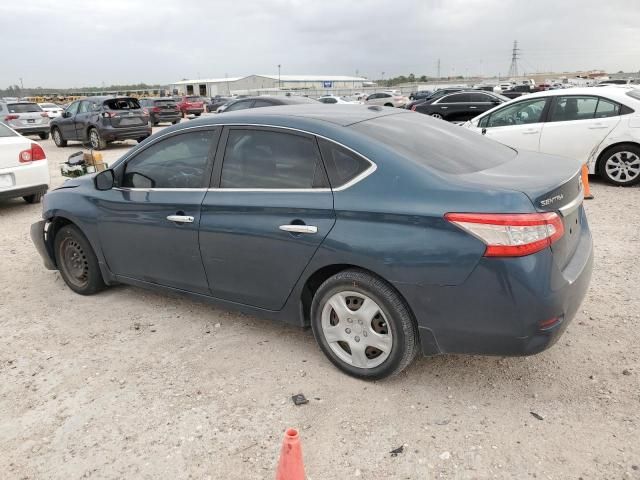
74	43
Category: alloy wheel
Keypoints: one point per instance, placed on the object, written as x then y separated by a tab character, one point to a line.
436	115
57	138
623	167
94	139
356	329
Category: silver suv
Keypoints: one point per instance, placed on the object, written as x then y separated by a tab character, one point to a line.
26	118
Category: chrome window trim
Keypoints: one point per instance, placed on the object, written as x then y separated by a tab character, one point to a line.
358	178
573	205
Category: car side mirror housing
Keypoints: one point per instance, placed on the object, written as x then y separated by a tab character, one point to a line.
66	114
105	180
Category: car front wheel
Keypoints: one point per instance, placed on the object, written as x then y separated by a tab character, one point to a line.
96	141
57	138
621	165
363	325
77	262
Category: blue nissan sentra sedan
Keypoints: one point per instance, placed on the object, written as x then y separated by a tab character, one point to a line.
388	232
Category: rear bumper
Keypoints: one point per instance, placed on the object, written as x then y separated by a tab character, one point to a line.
128	133
22	191
190	111
166	117
32	130
38	238
498	309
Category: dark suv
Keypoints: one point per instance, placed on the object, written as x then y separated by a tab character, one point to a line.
100	120
161	110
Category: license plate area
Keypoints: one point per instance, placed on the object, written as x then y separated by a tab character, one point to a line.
6	180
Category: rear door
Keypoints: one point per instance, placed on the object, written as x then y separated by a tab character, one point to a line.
518	124
587	120
148	226
479	103
270	209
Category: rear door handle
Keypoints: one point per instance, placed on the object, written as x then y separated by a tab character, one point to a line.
472	107
180	218
530	132
597	126
299	228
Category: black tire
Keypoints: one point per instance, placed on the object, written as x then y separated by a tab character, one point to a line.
77	262
397	317
142	139
184	115
44	135
197	114
34	197
96	140
57	138
175	122
388	104
612	166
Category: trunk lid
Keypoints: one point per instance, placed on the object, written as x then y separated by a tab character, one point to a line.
125	112
24	115
553	184
10	148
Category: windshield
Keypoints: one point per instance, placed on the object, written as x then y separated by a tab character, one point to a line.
23	107
428	142
6	131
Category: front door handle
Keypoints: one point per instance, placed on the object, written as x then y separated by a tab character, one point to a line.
180	218
472	107
530	132
444	108
597	126
299	228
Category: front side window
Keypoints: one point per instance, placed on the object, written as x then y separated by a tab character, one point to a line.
268	159
569	108
262	103
179	161
521	113
85	107
73	108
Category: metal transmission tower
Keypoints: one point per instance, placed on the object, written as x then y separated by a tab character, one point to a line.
515	55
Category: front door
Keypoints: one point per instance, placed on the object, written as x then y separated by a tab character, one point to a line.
586	119
148	225
269	211
518	125
81	119
66	122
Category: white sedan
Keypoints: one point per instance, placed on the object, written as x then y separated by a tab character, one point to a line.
598	126
24	171
336	99
52	109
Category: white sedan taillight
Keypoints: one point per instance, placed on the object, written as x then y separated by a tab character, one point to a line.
511	234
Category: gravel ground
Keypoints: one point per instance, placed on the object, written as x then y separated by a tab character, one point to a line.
134	384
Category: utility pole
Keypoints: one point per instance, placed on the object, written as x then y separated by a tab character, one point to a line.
21	85
515	55
382	77
438	69
279	88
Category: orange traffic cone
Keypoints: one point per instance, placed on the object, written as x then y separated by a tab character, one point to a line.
290	465
585	182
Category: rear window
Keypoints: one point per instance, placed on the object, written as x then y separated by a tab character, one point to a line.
6	131
164	103
436	144
23	107
122	104
194	99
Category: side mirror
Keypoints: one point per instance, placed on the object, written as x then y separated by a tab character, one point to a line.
105	180
66	114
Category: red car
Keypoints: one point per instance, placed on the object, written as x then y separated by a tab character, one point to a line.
191	104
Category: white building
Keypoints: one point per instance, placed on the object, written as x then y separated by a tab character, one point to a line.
208	87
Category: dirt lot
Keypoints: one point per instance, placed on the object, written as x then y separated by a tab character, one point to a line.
133	384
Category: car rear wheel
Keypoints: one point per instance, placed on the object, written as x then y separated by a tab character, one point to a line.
388	104
44	135
621	165
77	262
57	138
436	115
33	198
175	122
96	141
363	325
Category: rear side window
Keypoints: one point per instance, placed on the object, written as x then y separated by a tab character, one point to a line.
273	160
565	109
23	107
429	142
179	161
342	164
607	108
122	104
6	131
262	103
455	98
241	105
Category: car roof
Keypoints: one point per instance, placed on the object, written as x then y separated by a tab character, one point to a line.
615	92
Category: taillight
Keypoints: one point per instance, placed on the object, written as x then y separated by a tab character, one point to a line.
413	108
108	114
44	114
11	117
511	234
31	155
155	109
